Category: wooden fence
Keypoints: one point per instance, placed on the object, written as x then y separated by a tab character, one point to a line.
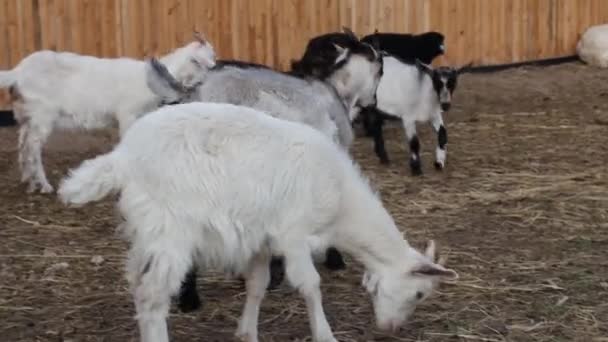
273	32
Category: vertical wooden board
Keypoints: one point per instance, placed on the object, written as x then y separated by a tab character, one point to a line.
406	16
333	16
387	16
56	21
51	32
136	28
484	31
584	15
500	46
236	35
181	16
458	27
118	25
43	15
344	13
397	23
543	15
313	17
362	16
20	29
29	33
250	31
4	42
553	28
479	28
13	38
513	29
416	16
255	30
91	28
125	28
288	40
172	18
146	34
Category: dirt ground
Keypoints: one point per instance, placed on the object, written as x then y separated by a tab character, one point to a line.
521	211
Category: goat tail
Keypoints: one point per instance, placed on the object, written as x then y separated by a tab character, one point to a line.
93	180
7	78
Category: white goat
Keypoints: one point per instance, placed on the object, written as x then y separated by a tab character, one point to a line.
413	93
592	48
66	90
228	186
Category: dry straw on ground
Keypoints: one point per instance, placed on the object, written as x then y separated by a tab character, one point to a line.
521	212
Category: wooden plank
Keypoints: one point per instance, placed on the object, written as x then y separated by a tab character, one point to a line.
12	30
5	59
275	31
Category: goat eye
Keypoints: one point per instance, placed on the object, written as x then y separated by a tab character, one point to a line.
419	295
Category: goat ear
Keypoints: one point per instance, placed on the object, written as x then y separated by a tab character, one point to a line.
424	67
342	53
199	37
375	43
435	270
370	282
349	32
431	250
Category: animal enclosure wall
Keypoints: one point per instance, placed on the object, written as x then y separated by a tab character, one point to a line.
275	31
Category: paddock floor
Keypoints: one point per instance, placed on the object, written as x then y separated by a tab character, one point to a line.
521	211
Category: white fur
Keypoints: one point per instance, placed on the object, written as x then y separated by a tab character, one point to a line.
592	48
228	186
70	91
407	93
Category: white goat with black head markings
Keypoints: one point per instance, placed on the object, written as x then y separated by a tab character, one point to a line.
413	93
65	90
228	186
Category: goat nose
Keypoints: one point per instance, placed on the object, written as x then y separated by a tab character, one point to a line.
445	106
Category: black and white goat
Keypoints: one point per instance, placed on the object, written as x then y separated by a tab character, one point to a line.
414	93
408	47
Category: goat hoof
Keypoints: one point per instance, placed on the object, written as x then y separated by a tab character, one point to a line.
438	166
384	161
416	168
245	337
334	260
31	188
47	189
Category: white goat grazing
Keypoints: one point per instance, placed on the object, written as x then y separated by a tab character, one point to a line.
592	48
66	90
227	186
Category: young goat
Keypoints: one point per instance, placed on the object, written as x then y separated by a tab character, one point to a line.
228	186
414	93
69	91
407	47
